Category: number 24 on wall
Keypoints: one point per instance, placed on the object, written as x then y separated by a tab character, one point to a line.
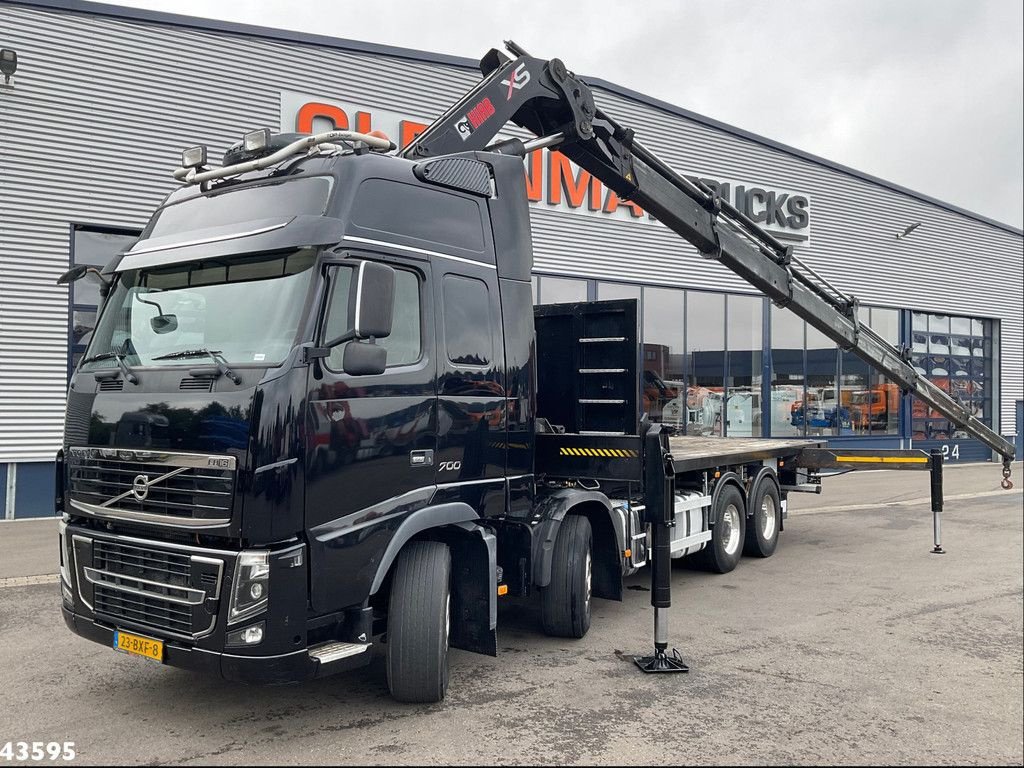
951	451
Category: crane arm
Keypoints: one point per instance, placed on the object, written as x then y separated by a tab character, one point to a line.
558	107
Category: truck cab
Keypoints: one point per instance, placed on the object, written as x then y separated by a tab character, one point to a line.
237	483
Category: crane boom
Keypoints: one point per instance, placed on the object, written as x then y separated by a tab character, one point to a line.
558	107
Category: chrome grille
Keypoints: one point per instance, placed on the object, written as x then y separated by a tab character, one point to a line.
161	488
143	609
126	582
141	563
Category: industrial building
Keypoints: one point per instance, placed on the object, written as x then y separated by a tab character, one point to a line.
104	98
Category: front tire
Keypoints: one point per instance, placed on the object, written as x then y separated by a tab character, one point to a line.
565	602
765	520
723	552
419	621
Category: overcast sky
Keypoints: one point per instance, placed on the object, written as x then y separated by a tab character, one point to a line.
925	93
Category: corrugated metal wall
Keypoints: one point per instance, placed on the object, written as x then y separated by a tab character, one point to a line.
102	108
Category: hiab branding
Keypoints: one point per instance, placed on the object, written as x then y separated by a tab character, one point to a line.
552	181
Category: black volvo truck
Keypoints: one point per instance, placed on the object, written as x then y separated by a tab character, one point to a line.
319	410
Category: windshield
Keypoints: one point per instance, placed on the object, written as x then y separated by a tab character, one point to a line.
247	308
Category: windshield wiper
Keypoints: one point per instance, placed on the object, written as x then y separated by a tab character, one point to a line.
119	357
214	354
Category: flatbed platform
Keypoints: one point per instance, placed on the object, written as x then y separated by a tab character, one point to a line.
700	452
619	457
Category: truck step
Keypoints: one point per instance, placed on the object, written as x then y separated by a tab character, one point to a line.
599	339
598	401
329	652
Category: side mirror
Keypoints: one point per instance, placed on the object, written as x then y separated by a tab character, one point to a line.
364	359
375	300
73	274
374	310
77	273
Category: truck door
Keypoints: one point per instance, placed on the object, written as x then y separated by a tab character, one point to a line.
369	439
471	389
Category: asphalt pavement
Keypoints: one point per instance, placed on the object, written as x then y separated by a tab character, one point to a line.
853	644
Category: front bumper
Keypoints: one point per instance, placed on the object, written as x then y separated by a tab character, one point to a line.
293	667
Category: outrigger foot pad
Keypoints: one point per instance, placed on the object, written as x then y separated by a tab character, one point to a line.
661	662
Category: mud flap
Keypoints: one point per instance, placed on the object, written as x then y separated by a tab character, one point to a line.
474	590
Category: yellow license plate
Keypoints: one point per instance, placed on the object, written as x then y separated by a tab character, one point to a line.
139	646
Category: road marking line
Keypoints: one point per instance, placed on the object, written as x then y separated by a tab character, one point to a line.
904	503
25	581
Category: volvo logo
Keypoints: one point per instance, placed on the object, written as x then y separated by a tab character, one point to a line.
140	487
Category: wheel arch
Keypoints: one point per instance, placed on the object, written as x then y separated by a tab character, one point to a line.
474	576
765	474
608	532
727	479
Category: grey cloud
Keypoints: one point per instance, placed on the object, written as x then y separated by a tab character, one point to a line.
924	93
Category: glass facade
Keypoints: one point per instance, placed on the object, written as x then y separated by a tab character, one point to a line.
729	364
955	353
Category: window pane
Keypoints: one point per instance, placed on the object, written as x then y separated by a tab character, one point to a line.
663	376
705	340
787	373
339	313
556	290
886	323
872	401
467	321
743	403
607	291
82	325
821	410
404	343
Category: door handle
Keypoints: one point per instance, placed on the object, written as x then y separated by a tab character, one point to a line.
421	458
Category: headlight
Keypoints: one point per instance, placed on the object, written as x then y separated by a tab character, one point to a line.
252	585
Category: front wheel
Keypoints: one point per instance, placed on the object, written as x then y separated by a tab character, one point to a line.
419	621
565	602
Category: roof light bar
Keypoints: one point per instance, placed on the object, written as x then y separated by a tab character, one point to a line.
193	157
191	175
254	141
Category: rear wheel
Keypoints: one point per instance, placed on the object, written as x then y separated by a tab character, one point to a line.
565	602
722	553
419	620
765	521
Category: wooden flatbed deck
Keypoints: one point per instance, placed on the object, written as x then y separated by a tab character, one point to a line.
693	452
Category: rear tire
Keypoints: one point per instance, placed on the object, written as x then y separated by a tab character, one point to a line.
723	552
419	621
765	520
565	602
